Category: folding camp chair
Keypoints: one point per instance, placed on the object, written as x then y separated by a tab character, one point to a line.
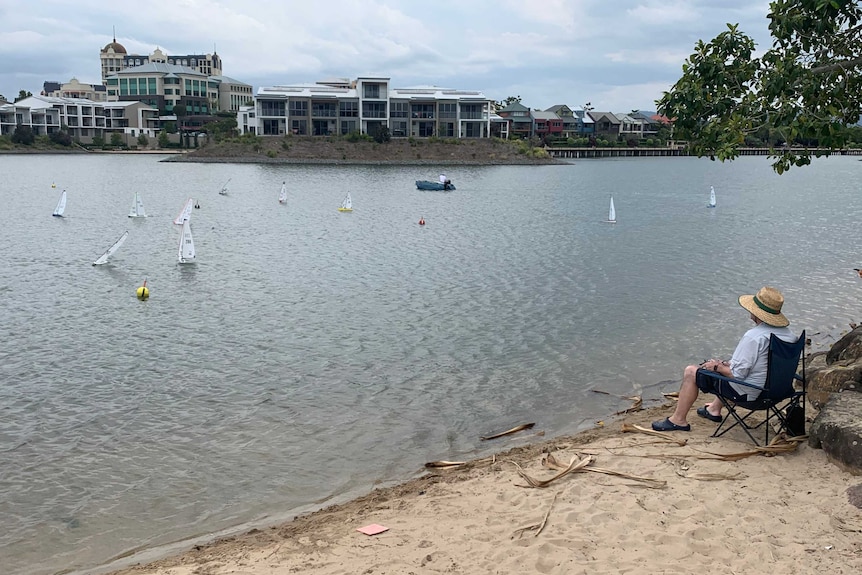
779	398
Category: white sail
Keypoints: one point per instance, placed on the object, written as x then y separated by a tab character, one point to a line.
711	203
61	205
104	257
282	195
223	190
347	204
185	213
612	213
186	250
137	210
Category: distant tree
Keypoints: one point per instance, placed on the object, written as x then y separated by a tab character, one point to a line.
163	139
180	110
507	101
23	135
381	135
116	139
807	85
143	140
23	94
98	142
223	128
170	127
2	97
61	137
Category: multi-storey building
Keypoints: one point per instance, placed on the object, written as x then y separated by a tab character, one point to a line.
519	118
163	86
194	80
114	58
342	106
75	89
83	119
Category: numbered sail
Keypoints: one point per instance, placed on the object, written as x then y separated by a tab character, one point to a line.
711	203
185	213
110	251
186	251
612	212
137	210
61	205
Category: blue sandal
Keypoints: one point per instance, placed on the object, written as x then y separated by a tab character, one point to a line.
668	425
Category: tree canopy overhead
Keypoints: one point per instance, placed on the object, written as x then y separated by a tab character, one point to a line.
807	87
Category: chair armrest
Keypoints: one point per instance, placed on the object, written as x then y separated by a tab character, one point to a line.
717	375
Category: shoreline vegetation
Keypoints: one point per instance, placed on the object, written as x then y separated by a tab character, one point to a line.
615	498
338	150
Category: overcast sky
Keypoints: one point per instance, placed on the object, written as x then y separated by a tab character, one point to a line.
619	55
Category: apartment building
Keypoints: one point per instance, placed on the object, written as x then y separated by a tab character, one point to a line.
84	119
342	106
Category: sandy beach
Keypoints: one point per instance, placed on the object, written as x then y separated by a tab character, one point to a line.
677	507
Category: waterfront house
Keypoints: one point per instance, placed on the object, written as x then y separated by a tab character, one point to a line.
520	120
607	125
569	120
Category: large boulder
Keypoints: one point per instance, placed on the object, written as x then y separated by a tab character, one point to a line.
837	430
848	347
836	370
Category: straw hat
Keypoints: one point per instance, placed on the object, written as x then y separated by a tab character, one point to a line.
766	306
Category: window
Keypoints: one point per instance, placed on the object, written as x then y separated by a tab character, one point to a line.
400	109
269	108
348	126
323	110
348	110
374	109
370	90
471	112
399	128
448	110
298	108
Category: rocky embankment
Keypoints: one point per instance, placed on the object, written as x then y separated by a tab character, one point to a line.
336	150
834	385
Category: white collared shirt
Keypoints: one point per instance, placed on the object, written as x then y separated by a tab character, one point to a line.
750	360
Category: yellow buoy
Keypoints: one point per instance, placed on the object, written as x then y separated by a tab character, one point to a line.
143	292
53	185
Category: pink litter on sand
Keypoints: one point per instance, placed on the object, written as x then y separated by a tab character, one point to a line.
372	529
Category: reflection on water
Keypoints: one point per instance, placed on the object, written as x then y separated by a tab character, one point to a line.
303	336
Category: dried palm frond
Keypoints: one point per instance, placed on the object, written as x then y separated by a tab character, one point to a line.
637	406
445	464
515	429
538	526
551	462
575	465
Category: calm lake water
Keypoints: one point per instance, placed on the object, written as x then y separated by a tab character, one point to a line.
310	355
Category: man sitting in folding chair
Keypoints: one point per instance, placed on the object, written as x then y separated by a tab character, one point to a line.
750	363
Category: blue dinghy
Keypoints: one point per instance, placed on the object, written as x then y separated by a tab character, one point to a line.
437	186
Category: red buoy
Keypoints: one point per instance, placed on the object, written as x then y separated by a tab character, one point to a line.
421	221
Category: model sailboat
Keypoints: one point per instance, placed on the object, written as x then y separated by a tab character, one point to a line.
186	250
282	195
185	213
223	190
612	213
61	206
116	245
711	203
137	210
346	205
